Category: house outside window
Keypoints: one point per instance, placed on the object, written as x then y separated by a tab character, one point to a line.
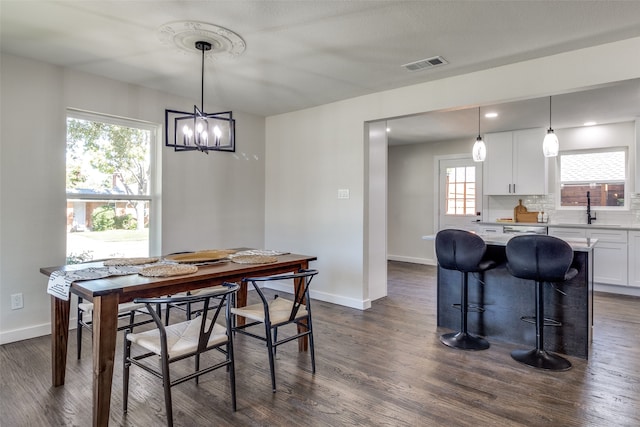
110	182
602	173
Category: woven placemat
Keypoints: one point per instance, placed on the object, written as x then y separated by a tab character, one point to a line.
253	259
166	270
200	256
130	261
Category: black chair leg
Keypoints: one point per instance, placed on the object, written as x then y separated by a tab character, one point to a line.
311	346
271	350
125	374
232	375
463	340
538	357
79	336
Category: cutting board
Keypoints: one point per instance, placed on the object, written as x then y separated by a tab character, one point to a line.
521	214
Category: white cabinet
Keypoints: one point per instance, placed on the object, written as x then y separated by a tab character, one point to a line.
489	229
515	164
609	253
567	232
609	256
634	258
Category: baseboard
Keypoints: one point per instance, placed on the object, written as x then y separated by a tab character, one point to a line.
34	331
412	260
326	297
25	333
616	289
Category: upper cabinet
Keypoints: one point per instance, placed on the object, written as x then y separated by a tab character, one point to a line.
515	164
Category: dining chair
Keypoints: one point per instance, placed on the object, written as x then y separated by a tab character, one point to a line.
179	341
127	310
277	313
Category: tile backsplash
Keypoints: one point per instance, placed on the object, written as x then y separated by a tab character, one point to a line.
502	207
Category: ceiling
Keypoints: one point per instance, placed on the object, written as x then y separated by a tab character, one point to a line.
301	54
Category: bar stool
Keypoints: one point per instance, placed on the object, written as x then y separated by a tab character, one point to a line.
463	251
543	259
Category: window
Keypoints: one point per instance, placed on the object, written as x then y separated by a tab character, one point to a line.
602	173
109	181
461	190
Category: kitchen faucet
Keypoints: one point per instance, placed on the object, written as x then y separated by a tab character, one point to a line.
589	217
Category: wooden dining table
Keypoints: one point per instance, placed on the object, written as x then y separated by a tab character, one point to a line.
106	293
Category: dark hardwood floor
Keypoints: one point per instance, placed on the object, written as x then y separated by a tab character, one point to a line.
380	367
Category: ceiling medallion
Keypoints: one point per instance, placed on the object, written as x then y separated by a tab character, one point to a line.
185	34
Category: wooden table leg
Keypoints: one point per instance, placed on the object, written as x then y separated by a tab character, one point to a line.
59	339
303	342
241	301
105	320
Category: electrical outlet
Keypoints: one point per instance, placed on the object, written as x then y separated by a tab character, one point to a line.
343	193
17	302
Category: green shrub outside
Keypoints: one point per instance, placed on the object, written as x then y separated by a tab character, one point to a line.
105	218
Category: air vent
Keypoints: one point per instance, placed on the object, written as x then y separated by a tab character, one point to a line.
436	61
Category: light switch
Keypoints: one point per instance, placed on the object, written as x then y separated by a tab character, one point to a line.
343	193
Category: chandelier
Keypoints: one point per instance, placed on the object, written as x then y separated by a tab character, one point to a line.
200	131
197	130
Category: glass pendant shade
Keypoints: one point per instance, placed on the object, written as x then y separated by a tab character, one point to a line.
479	152
550	144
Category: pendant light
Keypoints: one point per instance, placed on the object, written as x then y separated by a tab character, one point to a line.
479	152
185	131
550	144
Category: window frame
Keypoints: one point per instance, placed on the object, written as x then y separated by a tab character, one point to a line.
559	183
465	197
154	195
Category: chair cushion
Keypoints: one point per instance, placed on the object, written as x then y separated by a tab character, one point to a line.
279	311
461	250
182	338
125	307
540	257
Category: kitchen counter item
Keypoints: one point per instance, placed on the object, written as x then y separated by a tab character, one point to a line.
521	214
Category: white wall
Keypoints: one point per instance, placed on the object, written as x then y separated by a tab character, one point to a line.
209	201
313	152
309	154
412	195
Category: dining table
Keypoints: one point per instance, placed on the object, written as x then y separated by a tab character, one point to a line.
107	292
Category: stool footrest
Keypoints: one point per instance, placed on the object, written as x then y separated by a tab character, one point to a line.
470	308
547	321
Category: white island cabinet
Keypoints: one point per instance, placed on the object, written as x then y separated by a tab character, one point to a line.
515	164
634	258
609	254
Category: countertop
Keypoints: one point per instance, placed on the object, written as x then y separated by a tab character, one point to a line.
632	227
578	244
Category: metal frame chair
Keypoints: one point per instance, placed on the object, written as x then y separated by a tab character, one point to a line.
127	310
182	340
280	312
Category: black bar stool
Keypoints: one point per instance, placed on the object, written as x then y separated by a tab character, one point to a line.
463	251
543	259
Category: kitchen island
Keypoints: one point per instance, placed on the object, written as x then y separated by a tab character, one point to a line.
504	299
